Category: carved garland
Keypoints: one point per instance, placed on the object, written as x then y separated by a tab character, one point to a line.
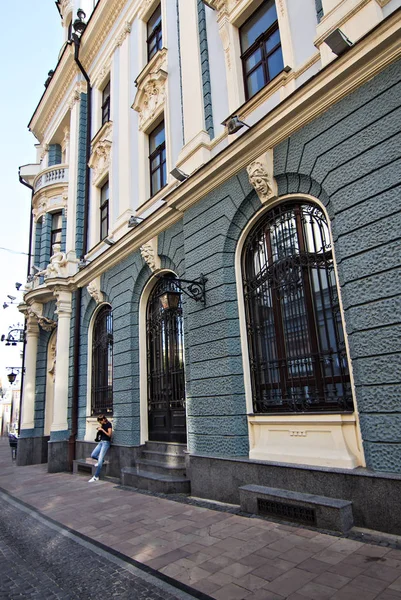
150	97
101	154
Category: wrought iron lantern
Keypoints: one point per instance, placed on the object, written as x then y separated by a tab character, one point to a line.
170	300
14	336
194	289
13	376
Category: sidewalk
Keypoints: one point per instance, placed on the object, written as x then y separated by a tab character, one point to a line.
226	556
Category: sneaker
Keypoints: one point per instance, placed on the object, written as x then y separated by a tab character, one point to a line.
93	479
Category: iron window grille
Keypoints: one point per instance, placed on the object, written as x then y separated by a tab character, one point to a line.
154	27
56	232
106	104
298	359
104	211
157	159
102	363
261	57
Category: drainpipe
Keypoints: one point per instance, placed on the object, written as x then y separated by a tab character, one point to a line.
78	293
27	275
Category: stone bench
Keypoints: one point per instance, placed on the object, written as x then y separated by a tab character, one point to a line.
316	511
86	464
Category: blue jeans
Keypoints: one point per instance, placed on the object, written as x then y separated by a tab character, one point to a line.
99	453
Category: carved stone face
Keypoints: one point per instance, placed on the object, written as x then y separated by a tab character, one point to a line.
259	178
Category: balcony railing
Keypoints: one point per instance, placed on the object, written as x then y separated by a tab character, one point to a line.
51	176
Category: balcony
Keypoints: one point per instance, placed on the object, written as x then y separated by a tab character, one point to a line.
58	174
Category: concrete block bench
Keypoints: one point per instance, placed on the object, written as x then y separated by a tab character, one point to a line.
317	511
87	465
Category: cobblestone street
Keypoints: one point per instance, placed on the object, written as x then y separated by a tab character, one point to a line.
41	561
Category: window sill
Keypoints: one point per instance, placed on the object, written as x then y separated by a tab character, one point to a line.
151	66
264	94
103	131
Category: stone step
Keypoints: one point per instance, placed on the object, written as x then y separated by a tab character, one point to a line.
166	447
175	460
154	482
87	465
155	466
317	511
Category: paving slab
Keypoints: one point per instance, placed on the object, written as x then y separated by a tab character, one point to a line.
220	554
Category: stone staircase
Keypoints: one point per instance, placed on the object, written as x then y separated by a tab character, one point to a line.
159	468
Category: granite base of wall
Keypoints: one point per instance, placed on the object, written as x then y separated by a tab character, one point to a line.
32	451
375	496
58	457
117	457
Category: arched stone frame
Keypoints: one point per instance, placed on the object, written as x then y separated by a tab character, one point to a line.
336	438
91	421
143	363
50	380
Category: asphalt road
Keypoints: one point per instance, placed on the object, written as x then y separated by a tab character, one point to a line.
44	561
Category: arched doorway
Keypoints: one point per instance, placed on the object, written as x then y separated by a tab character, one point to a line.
165	363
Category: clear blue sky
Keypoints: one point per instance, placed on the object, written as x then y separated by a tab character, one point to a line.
29	47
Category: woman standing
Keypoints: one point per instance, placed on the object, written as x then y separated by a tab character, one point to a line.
103	436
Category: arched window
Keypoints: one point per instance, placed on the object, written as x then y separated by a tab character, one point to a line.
165	357
102	363
298	360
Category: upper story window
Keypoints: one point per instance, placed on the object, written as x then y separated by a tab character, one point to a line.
155	40
56	231
106	104
261	57
157	159
295	331
104	211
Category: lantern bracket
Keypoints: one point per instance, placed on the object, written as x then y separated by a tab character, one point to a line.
194	289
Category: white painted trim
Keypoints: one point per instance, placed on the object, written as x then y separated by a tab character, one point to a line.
242	318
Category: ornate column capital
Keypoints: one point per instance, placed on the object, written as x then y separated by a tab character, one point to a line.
63	302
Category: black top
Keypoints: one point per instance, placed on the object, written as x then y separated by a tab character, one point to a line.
103	437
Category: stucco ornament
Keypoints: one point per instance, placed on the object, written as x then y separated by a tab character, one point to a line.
101	154
57	263
151	95
120	38
52	359
34	311
65	8
94	290
260	173
148	255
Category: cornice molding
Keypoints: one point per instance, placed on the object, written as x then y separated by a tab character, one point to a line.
57	90
98	29
339	78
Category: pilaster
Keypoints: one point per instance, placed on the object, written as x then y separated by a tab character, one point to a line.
60	409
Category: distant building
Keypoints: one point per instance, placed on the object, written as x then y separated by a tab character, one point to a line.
216	248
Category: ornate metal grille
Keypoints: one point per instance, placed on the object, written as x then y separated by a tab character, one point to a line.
166	380
102	363
296	341
288	512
